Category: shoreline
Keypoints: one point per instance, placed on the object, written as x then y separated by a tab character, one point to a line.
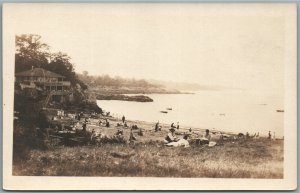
148	127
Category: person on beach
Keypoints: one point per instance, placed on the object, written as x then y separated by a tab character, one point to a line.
157	126
171	137
207	135
269	137
107	124
131	136
84	126
207	140
140	133
123	119
177	127
125	125
93	135
181	142
135	127
247	135
119	132
172	125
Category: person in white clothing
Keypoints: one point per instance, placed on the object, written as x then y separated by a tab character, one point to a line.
180	143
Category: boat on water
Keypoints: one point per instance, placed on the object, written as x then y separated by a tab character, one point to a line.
169	109
164	111
280	111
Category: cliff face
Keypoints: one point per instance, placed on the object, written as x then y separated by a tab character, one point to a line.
34	100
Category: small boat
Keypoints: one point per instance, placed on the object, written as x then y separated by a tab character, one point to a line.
280	111
164	111
170	109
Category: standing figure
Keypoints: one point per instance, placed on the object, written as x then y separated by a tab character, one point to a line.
177	125
123	119
269	137
84	126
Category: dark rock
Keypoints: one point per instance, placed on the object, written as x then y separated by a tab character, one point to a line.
136	98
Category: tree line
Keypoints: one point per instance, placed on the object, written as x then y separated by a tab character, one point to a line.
117	81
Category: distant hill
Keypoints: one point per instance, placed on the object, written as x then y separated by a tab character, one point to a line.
105	84
182	86
119	85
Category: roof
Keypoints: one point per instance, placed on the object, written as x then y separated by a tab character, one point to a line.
39	72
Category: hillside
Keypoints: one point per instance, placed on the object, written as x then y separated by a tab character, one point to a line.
105	84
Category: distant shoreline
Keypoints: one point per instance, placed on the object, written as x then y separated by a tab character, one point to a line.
136	97
122	97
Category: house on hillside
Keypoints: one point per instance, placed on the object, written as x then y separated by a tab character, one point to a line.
45	79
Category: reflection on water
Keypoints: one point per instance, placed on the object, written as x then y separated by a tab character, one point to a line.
235	111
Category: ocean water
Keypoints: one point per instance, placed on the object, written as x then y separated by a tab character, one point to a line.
229	110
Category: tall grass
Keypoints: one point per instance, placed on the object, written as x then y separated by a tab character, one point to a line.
240	159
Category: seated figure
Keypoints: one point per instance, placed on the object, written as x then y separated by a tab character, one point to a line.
181	142
171	137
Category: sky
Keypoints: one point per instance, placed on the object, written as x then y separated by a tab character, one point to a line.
236	46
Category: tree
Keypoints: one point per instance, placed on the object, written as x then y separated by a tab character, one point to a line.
30	51
60	63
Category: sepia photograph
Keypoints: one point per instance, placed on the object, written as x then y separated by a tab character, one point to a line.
167	91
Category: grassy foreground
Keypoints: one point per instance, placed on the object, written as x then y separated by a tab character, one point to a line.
251	158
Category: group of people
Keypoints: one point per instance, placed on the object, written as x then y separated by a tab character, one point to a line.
172	140
256	136
173	126
270	135
158	127
105	123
